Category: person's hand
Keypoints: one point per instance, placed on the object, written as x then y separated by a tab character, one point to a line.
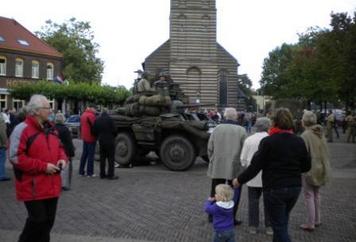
236	183
61	164
211	199
51	169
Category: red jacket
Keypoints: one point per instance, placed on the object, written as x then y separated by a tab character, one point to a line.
32	147
86	121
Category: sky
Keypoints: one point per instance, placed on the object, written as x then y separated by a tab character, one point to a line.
129	30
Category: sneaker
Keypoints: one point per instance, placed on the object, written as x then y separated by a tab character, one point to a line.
92	176
269	231
117	165
252	230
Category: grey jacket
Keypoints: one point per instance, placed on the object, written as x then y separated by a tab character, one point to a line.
224	148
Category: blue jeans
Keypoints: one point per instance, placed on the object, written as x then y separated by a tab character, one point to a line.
279	203
2	162
224	236
87	154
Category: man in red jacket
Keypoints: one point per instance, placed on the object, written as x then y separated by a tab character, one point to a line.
37	157
89	140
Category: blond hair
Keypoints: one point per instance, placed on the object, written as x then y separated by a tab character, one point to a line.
225	192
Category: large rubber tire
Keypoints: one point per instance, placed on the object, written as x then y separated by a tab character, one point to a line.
125	148
177	153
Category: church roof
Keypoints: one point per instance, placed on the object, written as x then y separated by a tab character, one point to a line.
14	36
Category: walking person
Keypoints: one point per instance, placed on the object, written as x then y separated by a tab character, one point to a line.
3	145
282	156
351	127
105	130
66	139
89	141
224	148
221	208
330	125
37	157
320	169
250	147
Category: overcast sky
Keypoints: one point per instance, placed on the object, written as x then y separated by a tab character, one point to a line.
129	30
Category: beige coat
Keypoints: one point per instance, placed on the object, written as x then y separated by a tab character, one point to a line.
224	148
316	144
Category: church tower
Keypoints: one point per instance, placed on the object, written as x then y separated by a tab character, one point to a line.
206	71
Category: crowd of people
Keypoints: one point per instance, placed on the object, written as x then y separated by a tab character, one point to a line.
273	161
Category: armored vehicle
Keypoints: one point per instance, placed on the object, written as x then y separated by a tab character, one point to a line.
177	137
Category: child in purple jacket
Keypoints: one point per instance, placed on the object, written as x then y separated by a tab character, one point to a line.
222	209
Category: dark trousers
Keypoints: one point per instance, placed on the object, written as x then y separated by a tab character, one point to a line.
87	154
215	182
254	194
40	220
107	152
279	203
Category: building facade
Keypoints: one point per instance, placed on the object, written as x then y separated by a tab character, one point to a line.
24	58
206	71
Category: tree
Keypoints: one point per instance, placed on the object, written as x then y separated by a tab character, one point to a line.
74	39
274	79
92	92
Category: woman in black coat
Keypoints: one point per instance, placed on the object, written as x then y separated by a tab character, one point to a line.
66	139
283	157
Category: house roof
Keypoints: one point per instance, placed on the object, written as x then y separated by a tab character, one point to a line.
14	36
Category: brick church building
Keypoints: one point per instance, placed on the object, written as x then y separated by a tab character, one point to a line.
206	71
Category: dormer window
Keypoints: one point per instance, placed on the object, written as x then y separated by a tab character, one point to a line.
50	71
23	42
19	68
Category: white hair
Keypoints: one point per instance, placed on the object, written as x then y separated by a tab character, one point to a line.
309	118
262	124
230	114
36	102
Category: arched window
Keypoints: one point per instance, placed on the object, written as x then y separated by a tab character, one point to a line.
50	71
2	66
19	67
223	79
35	69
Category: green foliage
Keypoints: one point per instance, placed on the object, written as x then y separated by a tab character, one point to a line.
92	92
74	39
321	67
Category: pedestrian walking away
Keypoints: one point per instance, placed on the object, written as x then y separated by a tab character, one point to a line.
37	155
282	156
104	129
221	208
224	148
320	169
250	147
89	141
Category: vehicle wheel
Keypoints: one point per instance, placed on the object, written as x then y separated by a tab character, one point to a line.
177	153
125	148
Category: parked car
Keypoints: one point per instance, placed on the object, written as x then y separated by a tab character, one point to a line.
73	124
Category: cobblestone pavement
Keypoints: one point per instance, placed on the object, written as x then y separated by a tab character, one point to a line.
150	203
